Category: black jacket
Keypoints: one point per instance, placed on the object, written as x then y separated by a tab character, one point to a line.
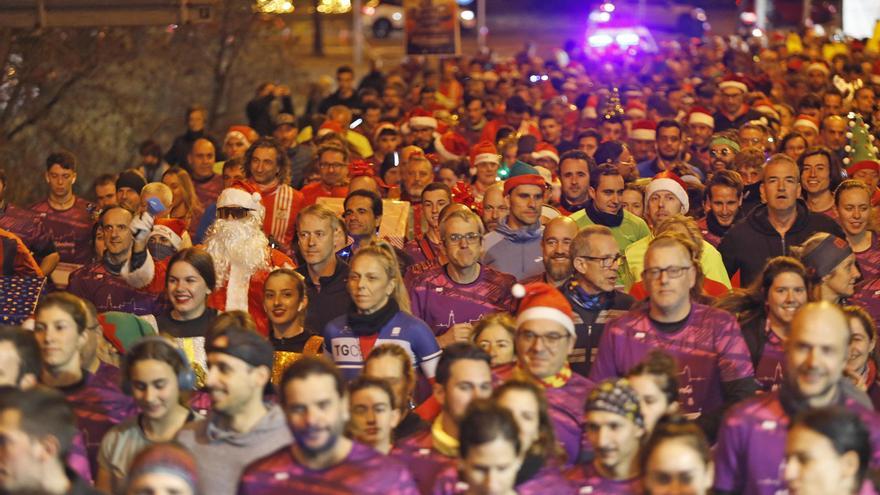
589	325
327	300
750	243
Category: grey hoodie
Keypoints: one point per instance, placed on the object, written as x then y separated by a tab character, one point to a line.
221	455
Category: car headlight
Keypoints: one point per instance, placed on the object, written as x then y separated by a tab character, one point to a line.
397	16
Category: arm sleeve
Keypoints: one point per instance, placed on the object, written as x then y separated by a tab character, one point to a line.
728	467
728	254
24	261
426	349
605	367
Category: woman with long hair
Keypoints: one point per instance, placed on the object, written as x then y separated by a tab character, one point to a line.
189	281
831	267
379	313
285	302
185	204
861	365
765	311
392	363
158	376
856	217
494	334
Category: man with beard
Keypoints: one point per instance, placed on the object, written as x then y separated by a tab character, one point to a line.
700	126
463	374
724	197
643	140
421	127
669	152
103	282
241	426
240	251
514	246
266	165
770	229
333	164
750	452
723	149
555	248
451	297
322	460
596	258
574	176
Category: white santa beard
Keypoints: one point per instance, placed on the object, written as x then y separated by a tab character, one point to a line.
239	249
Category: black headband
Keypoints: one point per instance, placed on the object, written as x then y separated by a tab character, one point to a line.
829	253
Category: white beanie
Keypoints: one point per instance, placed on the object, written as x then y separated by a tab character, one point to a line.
670	185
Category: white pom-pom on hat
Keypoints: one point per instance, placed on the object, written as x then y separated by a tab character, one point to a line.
518	291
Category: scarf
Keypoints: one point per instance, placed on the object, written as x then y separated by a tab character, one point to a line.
602	218
586	301
363	325
556	381
443	442
718	229
529	233
571	208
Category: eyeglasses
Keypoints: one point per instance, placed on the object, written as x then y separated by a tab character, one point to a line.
722	152
670	271
470	237
337	165
550	340
605	261
232	213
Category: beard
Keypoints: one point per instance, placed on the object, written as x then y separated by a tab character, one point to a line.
237	243
559	268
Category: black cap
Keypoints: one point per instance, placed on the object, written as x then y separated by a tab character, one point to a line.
285	119
132	180
243	344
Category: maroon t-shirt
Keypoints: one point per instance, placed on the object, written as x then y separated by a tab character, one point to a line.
71	229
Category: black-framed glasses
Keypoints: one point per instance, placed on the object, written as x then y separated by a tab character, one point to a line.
470	237
606	261
670	271
552	339
722	152
232	212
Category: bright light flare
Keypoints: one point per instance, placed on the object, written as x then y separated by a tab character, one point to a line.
748	17
274	6
370	10
467	15
757	33
600	17
600	40
607	7
627	39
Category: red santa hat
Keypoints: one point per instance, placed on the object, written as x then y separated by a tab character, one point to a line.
422	118
329	126
382	127
765	107
545	150
863	165
484	151
668	181
635	110
241	194
734	81
451	146
806	121
247	132
171	229
701	115
644	130
540	301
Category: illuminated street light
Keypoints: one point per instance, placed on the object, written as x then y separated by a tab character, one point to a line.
274	6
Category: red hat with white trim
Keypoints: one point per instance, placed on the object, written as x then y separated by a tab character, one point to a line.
701	115
734	81
484	151
171	229
820	67
635	110
241	194
545	150
422	118
806	121
644	130
329	126
540	301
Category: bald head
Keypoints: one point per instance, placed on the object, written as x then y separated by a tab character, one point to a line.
556	247
834	132
816	351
